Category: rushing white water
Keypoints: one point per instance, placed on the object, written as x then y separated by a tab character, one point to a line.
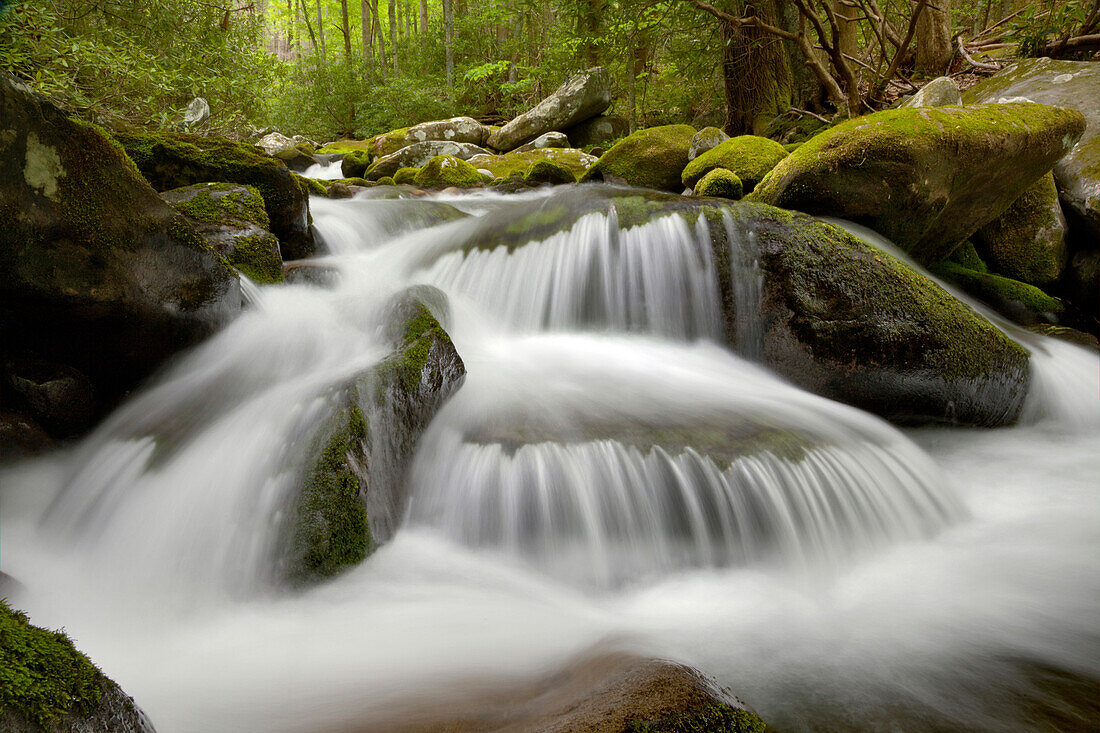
611	479
325	171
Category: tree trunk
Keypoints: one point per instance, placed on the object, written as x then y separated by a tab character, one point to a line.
320	29
423	17
309	26
392	12
933	39
756	72
847	25
588	28
381	37
345	28
365	30
448	39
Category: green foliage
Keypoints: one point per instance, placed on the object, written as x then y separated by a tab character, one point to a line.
1042	23
42	675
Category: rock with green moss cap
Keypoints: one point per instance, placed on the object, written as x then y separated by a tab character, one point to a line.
967	255
516	163
1027	242
405	176
548	171
385	181
354	491
418	155
311	186
456	129
355	164
720	183
652	158
749	156
47	685
295	158
232	219
443	171
96	271
173	160
1070	84
1025	304
925	178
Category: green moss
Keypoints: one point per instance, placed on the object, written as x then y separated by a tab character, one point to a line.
444	171
312	185
257	256
42	675
549	171
654	158
1021	302
405	176
344	146
422	330
220	203
355	164
1027	242
515	164
749	156
709	718
968	257
385	181
719	183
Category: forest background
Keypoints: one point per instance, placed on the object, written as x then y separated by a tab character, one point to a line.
340	68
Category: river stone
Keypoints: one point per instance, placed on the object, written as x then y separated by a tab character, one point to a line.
197	113
940	92
704	140
233	220
1027	242
547	140
1071	84
296	158
175	160
418	154
1021	303
56	396
926	178
584	95
50	686
599	130
273	142
651	158
751	157
517	163
354	493
96	271
456	130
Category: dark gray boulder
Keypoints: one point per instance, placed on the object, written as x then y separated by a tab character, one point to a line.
584	95
417	155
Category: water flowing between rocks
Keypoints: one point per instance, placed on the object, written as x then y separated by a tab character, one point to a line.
608	473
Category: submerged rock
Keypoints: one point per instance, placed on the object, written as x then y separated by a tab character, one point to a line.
925	178
354	494
456	129
50	686
233	220
174	160
940	92
583	95
418	155
651	158
749	156
96	271
1027	242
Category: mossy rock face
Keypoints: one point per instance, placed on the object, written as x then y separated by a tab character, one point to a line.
749	156
353	495
456	129
233	220
340	147
311	186
444	171
516	163
547	171
720	183
925	178
1025	304
651	158
47	685
406	176
417	155
295	158
355	164
96	271
1070	84
845	320
1027	242
967	256
174	160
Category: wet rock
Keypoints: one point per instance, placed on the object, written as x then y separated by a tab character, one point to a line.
547	140
54	395
417	155
516	163
444	171
456	130
599	130
21	437
50	686
925	178
651	158
1027	242
233	220
354	494
1024	304
273	142
582	96
96	271
940	92
749	156
547	171
296	159
173	160
706	139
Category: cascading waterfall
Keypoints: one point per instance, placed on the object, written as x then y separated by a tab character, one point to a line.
607	471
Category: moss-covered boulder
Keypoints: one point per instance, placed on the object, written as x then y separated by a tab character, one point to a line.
548	171
926	178
405	176
1025	304
355	164
233	220
47	686
353	493
173	160
296	158
599	130
418	155
651	158
720	183
443	171
96	271
1070	84
749	156
516	163
456	129
583	96
1027	242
